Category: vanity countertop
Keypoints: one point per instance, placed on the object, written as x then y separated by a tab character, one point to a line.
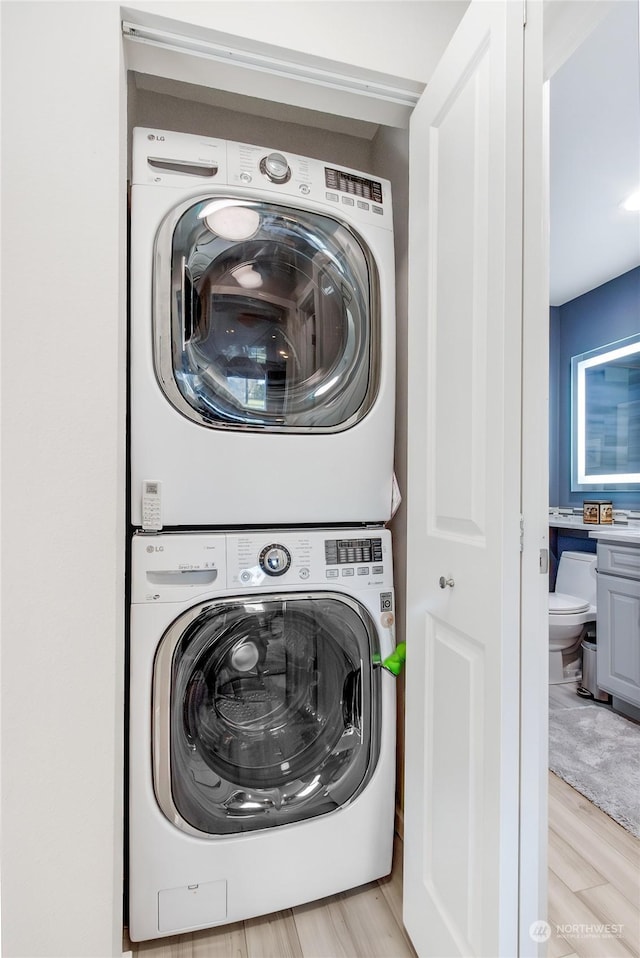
629	534
626	529
572	522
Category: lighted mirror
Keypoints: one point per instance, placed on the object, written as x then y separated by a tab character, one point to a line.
605	400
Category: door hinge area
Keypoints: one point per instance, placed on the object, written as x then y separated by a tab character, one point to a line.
524	13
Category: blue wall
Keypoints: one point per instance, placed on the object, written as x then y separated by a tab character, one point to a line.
603	315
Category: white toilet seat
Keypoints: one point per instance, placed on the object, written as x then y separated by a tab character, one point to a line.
561	604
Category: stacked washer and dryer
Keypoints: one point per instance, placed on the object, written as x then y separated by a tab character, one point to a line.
262	727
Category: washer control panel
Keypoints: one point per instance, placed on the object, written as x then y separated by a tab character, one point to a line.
180	567
315	557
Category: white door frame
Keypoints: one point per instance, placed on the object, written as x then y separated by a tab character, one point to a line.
534	656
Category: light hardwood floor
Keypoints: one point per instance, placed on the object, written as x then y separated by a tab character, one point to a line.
594	881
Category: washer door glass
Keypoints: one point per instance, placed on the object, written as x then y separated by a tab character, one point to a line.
272	712
272	317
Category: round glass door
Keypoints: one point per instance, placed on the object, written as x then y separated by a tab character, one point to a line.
271	712
271	314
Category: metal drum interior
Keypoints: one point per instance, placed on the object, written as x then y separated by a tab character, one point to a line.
273	711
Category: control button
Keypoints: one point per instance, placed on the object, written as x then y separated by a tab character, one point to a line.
377	209
304	573
362	205
363	570
333	197
305	189
246	177
378	569
332	573
348	572
275	168
275	559
348	200
245	576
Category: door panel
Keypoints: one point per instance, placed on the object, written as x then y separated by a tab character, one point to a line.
454	813
464	472
457	209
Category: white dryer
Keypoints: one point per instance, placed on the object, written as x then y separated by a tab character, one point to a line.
262	728
262	337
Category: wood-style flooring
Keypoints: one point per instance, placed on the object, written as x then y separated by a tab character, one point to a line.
594	869
594	882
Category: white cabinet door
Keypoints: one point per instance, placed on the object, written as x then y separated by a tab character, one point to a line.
464	493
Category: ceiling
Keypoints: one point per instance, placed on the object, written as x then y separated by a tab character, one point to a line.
595	157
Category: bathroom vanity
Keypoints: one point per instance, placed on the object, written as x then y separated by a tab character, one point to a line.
618	603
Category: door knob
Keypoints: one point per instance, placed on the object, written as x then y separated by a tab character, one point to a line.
446	582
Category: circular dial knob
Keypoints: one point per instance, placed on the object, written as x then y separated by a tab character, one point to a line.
275	559
275	167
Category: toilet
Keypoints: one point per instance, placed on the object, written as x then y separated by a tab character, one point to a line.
571	608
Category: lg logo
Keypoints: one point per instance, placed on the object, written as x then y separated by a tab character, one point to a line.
151	549
152	136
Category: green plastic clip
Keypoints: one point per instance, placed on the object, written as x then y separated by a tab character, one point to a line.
395	662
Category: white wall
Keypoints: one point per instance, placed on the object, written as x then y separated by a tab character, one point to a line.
64	273
63	266
405	39
162	111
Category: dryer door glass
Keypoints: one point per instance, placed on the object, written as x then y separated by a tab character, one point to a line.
271	314
273	712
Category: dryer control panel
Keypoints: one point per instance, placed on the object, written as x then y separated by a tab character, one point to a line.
163	158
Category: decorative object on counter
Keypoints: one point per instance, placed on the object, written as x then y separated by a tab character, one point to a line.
597	511
596	751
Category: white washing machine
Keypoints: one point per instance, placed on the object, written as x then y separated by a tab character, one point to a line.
262	727
262	337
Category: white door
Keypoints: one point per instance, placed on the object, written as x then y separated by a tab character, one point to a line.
462	772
